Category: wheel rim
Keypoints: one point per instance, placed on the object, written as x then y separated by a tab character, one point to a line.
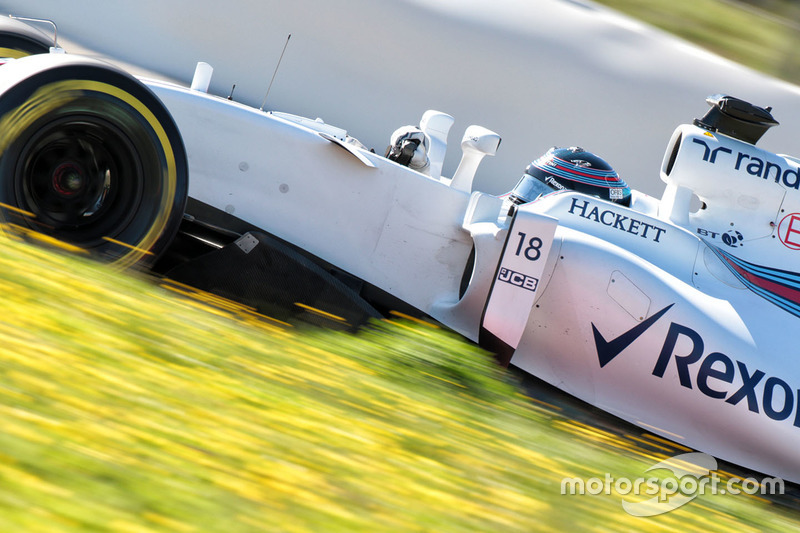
82	179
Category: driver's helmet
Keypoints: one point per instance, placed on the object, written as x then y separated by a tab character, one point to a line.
574	169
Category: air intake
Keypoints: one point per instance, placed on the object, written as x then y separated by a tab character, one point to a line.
736	118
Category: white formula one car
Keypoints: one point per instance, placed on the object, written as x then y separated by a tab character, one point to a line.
676	315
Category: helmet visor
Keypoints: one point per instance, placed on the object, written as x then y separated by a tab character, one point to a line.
529	189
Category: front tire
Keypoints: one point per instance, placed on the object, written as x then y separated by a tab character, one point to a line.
89	156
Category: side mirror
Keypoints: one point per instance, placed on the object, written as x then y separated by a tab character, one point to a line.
477	143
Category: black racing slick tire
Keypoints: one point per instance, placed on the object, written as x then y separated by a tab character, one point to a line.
90	157
18	39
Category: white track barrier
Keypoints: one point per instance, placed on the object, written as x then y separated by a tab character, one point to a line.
539	73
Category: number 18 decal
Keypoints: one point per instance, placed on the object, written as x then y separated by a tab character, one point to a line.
534	248
518	276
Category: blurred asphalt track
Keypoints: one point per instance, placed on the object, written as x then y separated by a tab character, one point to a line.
538	72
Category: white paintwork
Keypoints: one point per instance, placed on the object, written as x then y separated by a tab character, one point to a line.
609	268
744	188
290	194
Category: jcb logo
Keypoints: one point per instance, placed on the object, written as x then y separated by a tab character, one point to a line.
518	279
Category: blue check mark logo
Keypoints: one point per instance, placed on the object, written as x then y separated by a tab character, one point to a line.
608	350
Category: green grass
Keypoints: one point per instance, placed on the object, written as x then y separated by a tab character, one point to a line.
129	406
766	39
